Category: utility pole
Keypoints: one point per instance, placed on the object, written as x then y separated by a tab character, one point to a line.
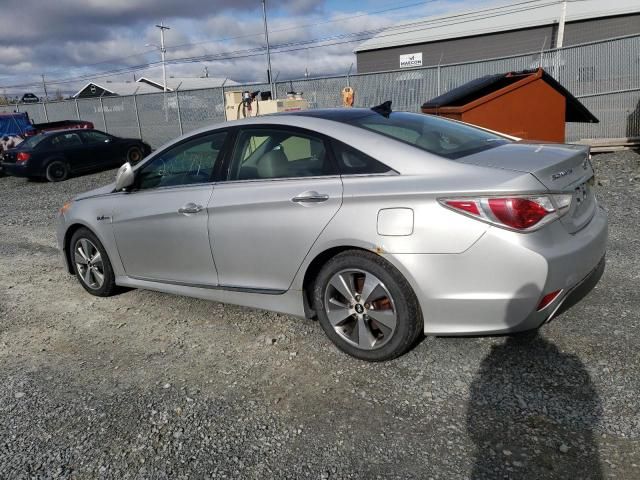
163	50
563	18
44	87
266	36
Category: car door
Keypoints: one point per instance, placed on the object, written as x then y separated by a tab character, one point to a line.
101	149
69	146
282	189
161	225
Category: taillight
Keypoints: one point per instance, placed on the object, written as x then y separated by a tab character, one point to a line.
22	157
518	212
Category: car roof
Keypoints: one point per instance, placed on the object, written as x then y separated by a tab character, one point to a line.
335	114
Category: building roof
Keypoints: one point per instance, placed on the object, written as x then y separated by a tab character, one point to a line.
485	88
188	83
120	88
499	18
147	85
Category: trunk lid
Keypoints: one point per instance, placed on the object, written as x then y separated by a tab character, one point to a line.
560	168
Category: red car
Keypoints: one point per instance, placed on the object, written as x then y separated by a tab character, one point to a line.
59	125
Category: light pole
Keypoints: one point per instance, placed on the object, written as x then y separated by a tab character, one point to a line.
563	18
163	50
266	36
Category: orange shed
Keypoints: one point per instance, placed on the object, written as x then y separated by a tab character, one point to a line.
530	104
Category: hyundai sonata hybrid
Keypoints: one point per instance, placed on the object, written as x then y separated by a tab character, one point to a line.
382	225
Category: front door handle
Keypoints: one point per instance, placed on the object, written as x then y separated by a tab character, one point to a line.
310	197
188	208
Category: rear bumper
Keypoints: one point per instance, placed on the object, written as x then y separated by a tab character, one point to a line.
495	286
579	291
16	169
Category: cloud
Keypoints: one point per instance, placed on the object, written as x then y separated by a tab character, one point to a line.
70	38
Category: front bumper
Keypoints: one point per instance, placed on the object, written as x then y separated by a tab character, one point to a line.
495	286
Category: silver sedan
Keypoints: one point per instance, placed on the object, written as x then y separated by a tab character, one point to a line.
382	225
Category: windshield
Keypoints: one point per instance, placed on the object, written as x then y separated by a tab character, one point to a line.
432	134
32	142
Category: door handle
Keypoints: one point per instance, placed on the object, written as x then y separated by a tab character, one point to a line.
190	208
310	197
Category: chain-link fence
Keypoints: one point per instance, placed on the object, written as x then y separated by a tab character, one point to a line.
604	75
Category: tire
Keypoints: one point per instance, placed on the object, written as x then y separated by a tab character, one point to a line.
134	155
389	311
57	171
83	239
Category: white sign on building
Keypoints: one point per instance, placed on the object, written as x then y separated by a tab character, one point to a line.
411	60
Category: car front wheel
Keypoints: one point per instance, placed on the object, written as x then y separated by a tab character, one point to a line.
91	264
366	307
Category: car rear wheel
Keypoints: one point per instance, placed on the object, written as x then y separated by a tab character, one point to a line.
366	307
91	264
134	155
57	171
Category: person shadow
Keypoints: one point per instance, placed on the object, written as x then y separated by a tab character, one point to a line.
532	413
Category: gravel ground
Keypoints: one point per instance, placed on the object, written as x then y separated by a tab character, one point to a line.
148	385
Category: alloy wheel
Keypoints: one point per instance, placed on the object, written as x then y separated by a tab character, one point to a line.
360	309
89	263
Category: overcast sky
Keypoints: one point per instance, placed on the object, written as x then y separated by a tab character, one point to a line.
66	39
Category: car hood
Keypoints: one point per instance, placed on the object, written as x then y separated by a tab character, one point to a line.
96	192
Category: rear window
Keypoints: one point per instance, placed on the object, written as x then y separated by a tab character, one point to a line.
432	134
32	142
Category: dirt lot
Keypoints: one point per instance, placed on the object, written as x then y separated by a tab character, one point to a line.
147	385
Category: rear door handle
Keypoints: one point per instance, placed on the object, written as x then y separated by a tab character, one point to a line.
190	208
310	197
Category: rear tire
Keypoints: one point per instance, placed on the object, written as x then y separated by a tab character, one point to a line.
91	264
134	155
57	171
366	307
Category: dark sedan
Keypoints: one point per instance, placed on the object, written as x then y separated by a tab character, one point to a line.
58	154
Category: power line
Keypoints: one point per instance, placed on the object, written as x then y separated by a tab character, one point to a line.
284	48
300	27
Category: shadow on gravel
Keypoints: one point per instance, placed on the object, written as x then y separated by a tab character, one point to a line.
531	413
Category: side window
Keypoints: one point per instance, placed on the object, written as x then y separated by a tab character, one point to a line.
262	154
66	140
95	137
184	164
354	162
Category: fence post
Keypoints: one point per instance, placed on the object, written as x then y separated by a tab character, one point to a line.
77	109
104	119
135	104
438	79
179	114
46	115
224	102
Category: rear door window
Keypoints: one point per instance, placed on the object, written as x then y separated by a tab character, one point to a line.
354	162
264	154
66	140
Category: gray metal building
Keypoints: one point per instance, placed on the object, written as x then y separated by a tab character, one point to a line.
508	29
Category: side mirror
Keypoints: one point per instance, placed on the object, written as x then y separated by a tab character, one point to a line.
124	177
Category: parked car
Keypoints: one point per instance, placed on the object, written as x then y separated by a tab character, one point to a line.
29	98
16	126
56	155
382	225
59	125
